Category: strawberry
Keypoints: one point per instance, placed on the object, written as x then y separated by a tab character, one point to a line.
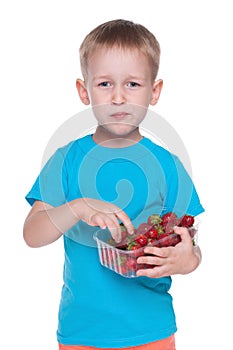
136	250
187	221
135	247
165	240
131	264
142	240
154	242
168	218
152	233
143	228
157	232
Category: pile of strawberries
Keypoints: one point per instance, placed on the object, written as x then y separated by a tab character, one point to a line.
157	231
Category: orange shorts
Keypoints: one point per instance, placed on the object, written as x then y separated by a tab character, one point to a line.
164	344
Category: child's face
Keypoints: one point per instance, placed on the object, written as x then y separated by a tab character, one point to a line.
119	87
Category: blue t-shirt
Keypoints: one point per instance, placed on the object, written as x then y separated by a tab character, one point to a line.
99	307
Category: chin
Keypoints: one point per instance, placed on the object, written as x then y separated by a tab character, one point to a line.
121	131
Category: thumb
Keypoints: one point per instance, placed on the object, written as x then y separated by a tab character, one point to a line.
183	232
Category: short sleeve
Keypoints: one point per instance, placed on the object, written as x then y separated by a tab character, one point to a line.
181	195
51	184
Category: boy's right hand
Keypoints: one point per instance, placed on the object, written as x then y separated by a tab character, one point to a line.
103	214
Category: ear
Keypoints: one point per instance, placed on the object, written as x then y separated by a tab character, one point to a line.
156	91
82	91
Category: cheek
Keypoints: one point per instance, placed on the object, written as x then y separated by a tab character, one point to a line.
142	98
98	97
100	110
139	109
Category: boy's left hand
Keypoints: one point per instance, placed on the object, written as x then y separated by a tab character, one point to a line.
181	259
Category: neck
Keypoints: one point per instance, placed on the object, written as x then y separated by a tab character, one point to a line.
103	138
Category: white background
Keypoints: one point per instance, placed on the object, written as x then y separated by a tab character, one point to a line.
39	66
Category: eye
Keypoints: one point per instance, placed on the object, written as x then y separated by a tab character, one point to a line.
133	84
105	84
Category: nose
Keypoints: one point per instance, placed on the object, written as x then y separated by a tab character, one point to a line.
118	96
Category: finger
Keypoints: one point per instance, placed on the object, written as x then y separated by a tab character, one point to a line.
122	216
183	232
110	221
151	260
160	252
113	226
156	272
114	229
96	220
116	235
146	272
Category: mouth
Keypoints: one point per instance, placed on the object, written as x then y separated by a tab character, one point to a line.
119	115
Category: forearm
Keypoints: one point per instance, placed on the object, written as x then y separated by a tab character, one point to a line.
46	225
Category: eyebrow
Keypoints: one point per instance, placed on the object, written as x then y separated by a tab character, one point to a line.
102	77
108	77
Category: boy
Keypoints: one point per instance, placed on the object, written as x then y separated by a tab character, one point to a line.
115	175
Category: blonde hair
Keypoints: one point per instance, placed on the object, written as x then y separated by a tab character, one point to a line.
124	34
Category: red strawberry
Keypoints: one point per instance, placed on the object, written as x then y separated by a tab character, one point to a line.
169	227
131	264
154	242
169	240
143	228
135	247
136	250
187	221
165	240
152	233
142	240
168	218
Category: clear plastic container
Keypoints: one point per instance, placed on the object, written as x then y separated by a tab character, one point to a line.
124	262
